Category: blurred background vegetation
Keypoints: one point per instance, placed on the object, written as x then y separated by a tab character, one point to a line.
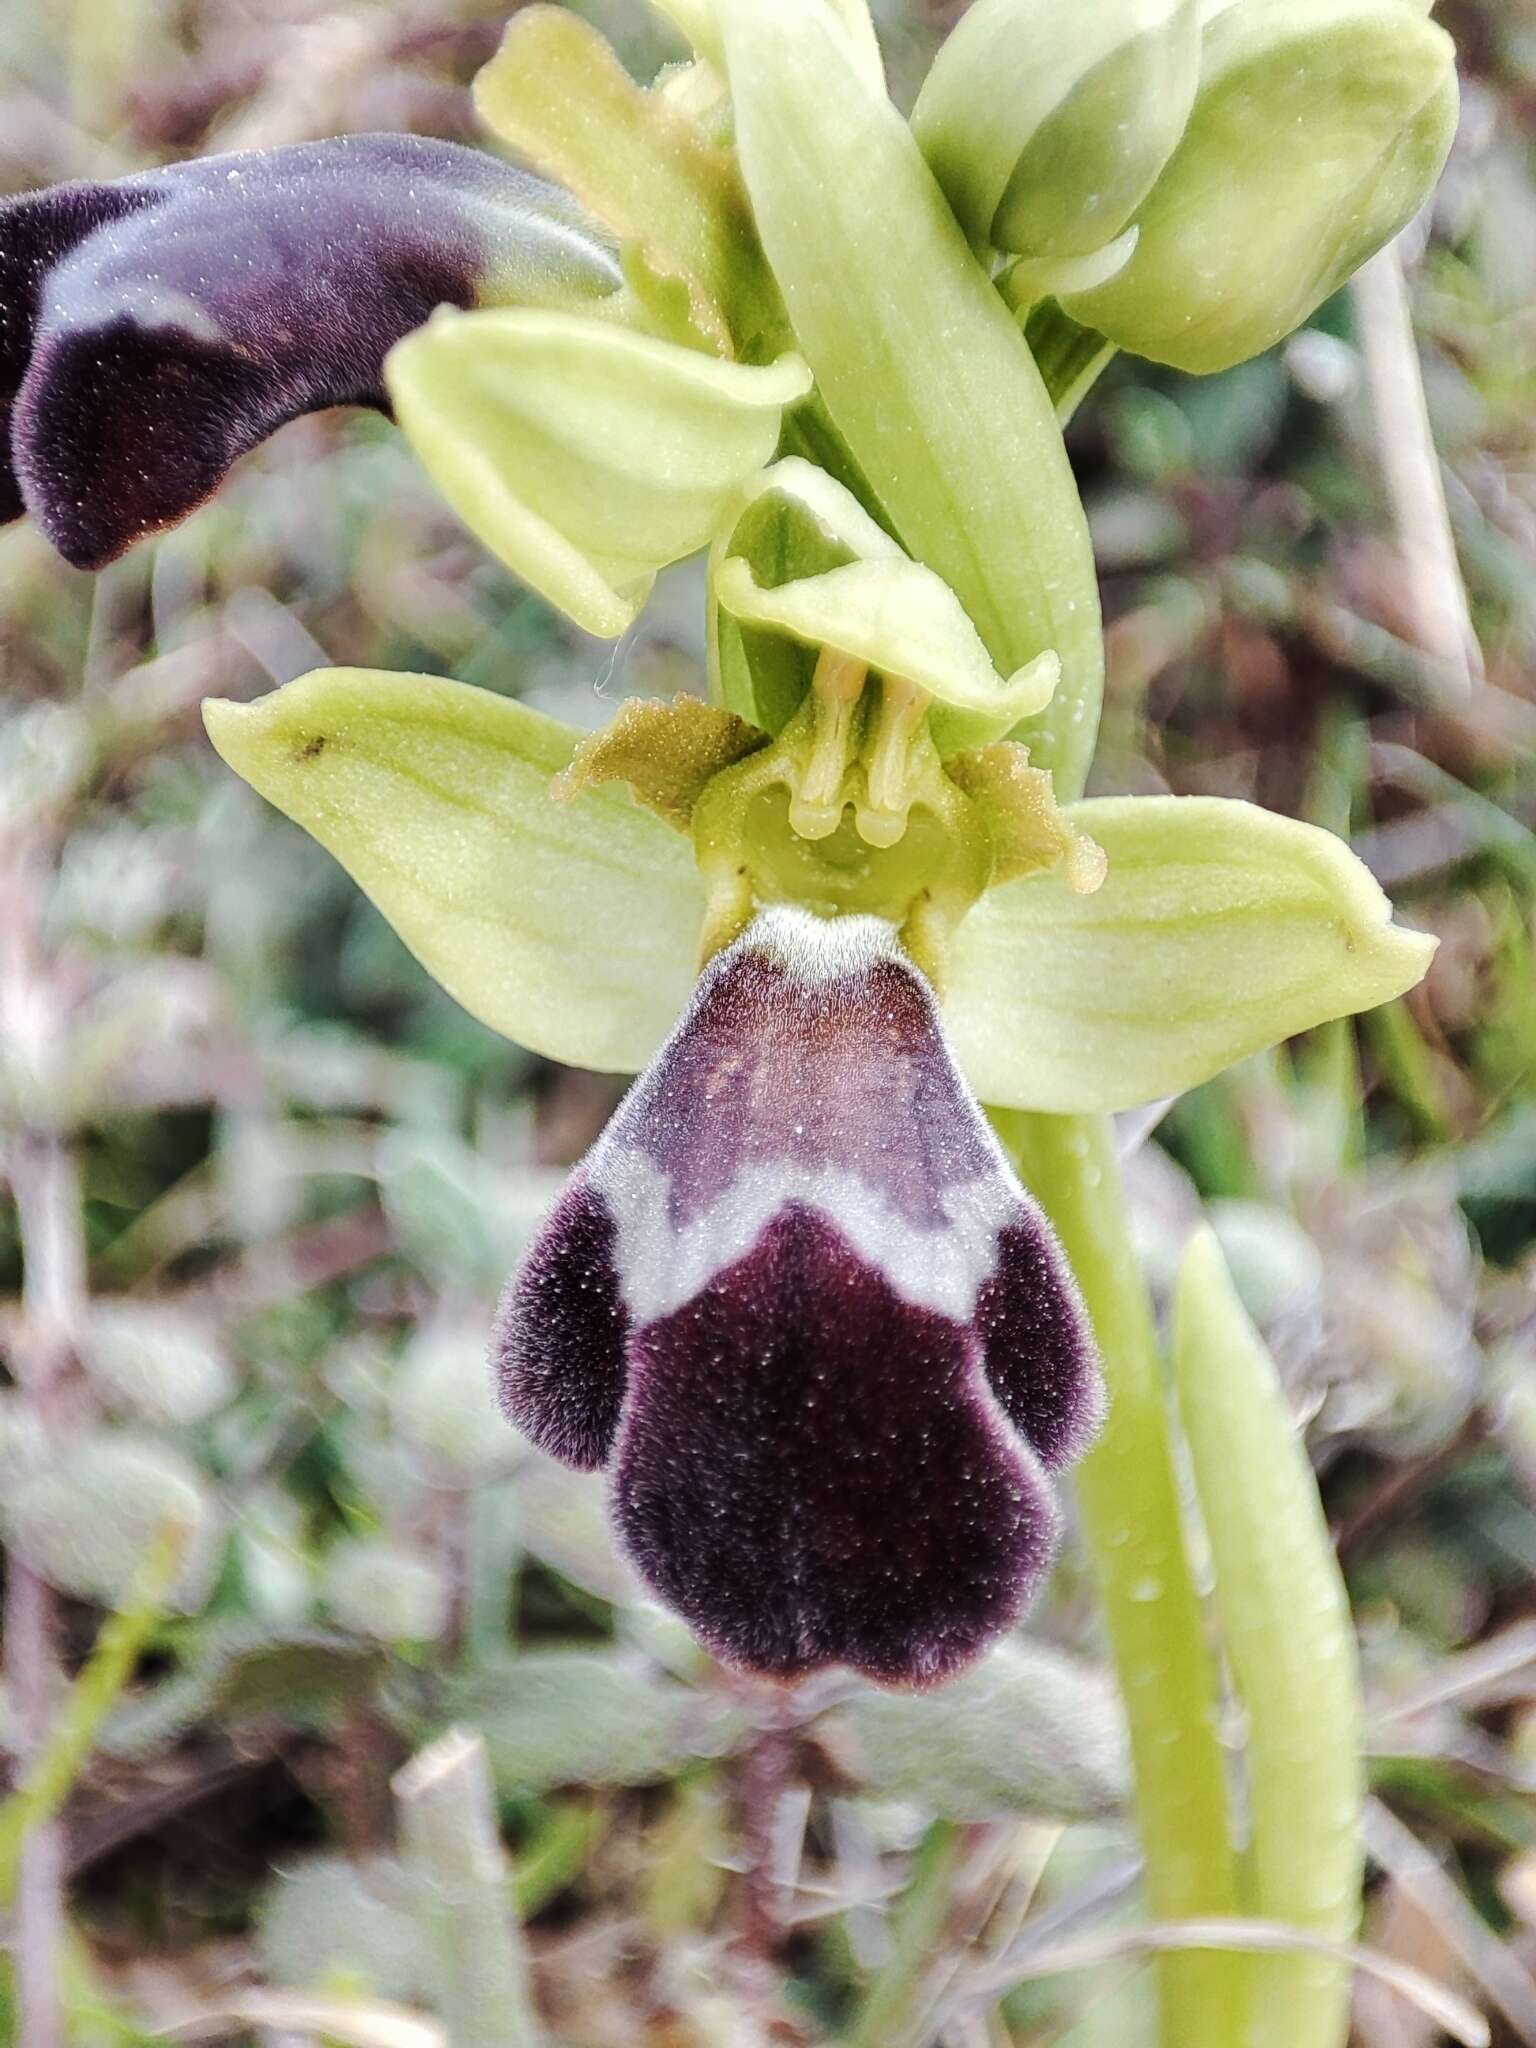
268	1180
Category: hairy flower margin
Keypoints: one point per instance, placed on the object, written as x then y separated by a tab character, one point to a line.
795	1299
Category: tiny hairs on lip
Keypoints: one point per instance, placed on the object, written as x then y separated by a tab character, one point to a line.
798	1303
155	329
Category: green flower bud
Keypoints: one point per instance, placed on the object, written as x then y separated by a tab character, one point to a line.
1047	127
1318	132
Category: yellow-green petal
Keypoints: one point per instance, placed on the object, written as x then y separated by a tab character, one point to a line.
586	456
571	927
1290	1644
557	94
1220	929
927	378
902	620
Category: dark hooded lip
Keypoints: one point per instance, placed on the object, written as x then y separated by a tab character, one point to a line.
155	329
798	1303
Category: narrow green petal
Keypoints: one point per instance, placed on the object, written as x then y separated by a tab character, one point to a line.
586	456
927	378
1297	1678
1220	929
556	93
902	620
794	521
570	927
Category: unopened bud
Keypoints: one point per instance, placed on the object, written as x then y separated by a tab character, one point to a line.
1047	127
1318	132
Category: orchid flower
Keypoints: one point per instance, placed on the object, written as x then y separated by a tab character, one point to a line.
797	1300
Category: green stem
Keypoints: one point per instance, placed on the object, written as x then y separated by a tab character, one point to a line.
1071	358
917	1931
91	1698
1128	1492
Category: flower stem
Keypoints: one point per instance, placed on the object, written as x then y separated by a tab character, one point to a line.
1128	1492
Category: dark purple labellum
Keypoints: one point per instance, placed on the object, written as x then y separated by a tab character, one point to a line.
154	329
798	1303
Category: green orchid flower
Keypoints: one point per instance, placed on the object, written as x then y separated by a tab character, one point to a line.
575	927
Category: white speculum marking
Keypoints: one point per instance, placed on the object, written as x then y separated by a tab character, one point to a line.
663	1266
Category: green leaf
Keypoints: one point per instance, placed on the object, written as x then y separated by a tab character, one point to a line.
569	1717
926	377
1027	1730
90	1514
1290	1643
1319	130
570	927
587	457
328	1918
1220	929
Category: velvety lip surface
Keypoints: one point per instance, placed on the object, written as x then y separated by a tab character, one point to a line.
811	1471
799	1302
154	329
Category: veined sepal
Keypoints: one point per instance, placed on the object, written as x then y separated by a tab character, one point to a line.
699	21
1220	929
886	299
571	927
575	928
584	455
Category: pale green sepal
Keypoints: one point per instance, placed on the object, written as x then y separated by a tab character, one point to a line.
699	21
1047	126
1297	1680
585	456
571	927
1220	929
903	621
925	375
1319	131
